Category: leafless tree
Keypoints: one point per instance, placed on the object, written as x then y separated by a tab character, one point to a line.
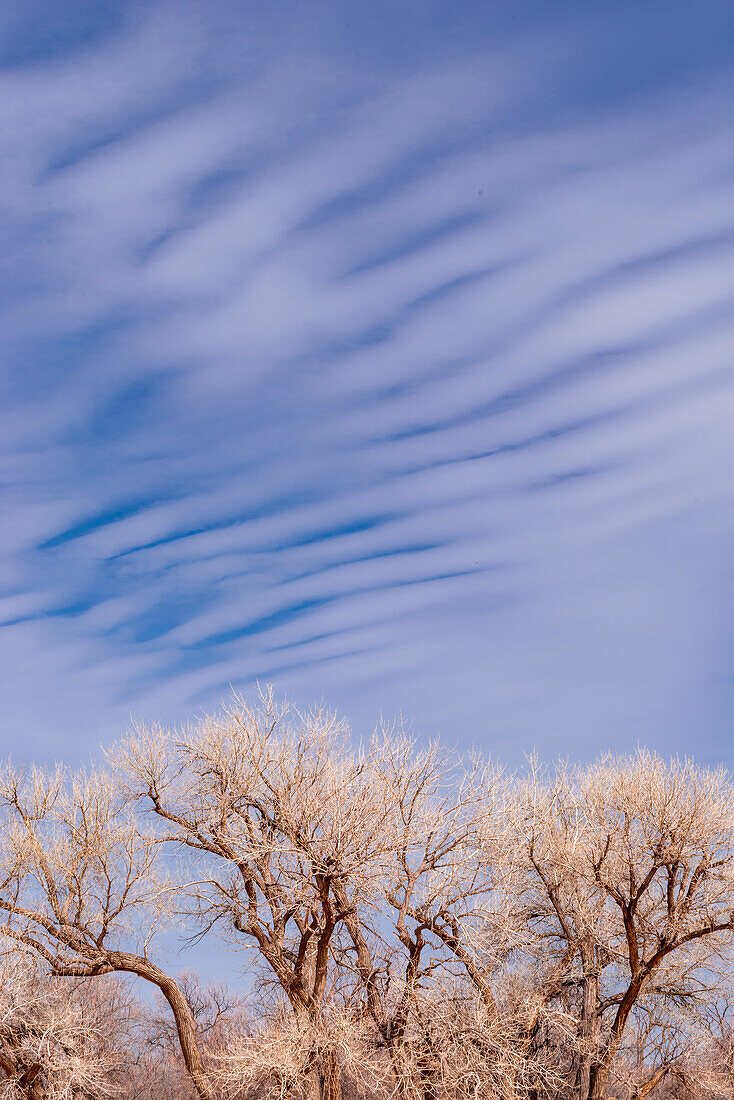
60	1040
629	882
419	926
442	920
79	886
279	811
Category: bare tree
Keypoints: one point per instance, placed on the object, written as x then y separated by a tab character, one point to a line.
79	885
420	926
362	880
629	881
60	1040
437	903
279	812
433	961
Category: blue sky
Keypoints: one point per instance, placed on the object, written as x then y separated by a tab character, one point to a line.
383	352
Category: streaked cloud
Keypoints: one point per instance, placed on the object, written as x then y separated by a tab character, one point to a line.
403	379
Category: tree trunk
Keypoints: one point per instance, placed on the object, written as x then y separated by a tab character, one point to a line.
651	1083
182	1015
600	1067
598	1075
27	1078
330	1077
589	1022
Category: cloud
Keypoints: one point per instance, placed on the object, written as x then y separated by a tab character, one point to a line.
393	385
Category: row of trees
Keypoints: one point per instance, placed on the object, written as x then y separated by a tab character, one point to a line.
415	925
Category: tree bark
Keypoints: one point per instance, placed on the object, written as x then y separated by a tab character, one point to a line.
651	1083
182	1015
589	1022
598	1074
330	1077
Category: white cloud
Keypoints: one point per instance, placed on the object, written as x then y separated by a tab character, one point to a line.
426	388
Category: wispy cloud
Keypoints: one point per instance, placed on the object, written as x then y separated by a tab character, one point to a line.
404	380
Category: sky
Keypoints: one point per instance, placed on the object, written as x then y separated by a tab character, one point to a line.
379	351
